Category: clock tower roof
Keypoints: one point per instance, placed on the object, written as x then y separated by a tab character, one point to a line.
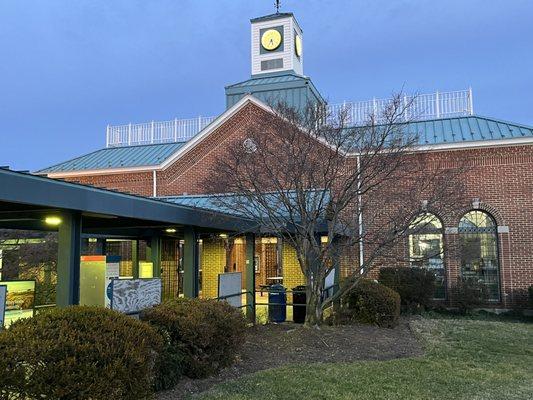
272	17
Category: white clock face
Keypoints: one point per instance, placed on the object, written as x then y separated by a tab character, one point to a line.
298	45
271	40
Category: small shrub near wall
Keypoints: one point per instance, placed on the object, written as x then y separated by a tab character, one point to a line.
530	294
469	293
78	353
416	286
207	333
370	303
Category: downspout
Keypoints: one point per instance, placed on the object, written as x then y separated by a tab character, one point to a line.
360	215
154	176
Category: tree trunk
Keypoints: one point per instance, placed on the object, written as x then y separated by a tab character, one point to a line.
313	315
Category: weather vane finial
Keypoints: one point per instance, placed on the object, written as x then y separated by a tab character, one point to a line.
278	5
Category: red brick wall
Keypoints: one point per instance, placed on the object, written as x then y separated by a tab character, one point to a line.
139	183
501	178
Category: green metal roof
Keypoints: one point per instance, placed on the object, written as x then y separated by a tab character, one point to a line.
268	80
296	90
465	129
430	132
230	203
118	157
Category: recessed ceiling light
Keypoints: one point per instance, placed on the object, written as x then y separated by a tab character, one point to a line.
54	221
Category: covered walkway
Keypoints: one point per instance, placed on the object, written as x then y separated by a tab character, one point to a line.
78	212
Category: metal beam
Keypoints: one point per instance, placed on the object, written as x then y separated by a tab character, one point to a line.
190	263
68	260
250	277
155	247
135	258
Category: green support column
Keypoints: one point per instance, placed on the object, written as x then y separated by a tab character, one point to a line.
155	246
68	260
135	258
190	263
336	263
101	244
250	277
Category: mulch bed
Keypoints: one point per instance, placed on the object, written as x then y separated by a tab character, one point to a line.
275	345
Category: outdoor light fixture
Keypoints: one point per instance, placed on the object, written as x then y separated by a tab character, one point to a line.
223	235
170	230
54	221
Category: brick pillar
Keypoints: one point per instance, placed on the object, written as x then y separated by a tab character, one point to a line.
452	261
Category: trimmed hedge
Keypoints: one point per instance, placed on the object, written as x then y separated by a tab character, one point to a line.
416	286
78	353
208	333
370	303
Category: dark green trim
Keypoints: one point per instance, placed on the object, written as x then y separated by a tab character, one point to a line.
250	277
190	263
155	246
135	259
68	260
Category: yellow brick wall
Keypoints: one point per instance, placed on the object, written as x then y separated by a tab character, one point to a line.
213	261
292	273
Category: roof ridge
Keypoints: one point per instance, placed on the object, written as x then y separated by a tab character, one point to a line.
502	121
143	145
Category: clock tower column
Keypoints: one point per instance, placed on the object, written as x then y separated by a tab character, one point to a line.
277	44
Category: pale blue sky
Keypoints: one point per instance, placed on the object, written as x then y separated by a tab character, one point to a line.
68	68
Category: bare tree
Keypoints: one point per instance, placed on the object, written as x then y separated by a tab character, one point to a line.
306	175
30	255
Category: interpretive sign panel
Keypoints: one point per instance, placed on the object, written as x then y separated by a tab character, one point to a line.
130	296
229	285
19	300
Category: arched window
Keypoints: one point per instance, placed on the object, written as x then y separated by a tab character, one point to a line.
426	249
479	250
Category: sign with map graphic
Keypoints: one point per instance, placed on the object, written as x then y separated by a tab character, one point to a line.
131	296
19	300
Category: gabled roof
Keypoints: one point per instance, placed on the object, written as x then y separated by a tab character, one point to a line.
294	89
466	129
457	132
118	157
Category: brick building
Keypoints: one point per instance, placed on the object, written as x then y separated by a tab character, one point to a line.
170	160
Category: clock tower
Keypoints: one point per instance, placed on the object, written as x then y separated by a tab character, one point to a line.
277	44
277	65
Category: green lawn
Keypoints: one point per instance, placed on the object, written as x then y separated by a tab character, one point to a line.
465	359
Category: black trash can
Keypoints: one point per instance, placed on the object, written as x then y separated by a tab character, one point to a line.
299	299
277	299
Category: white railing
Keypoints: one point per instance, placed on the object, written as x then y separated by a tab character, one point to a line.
177	130
420	107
